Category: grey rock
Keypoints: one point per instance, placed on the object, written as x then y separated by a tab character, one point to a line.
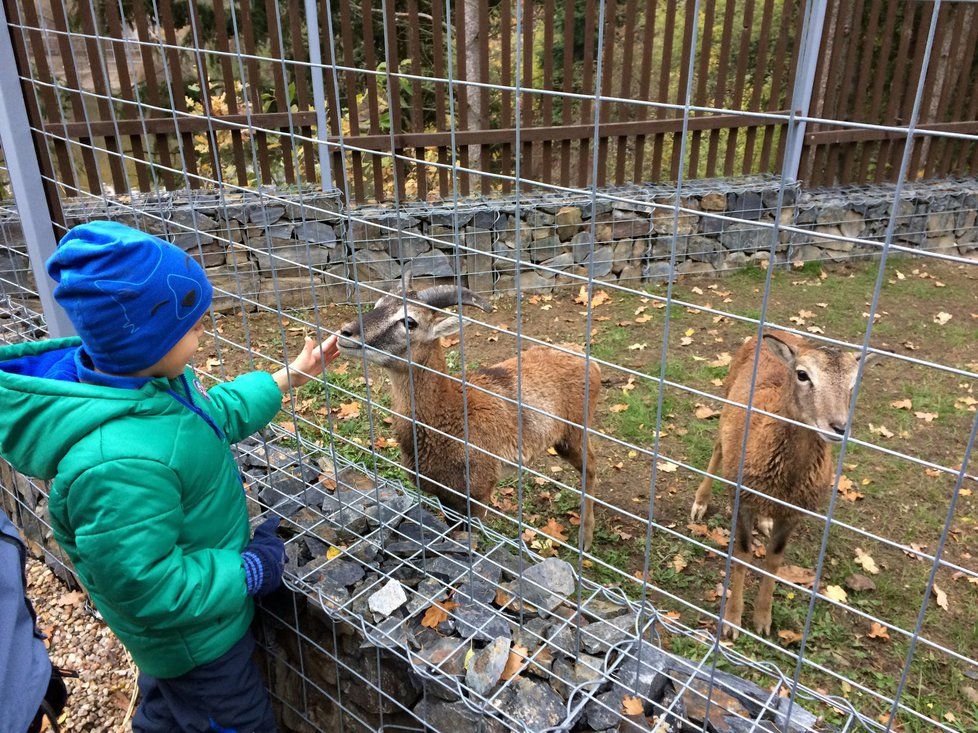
744	237
852	223
388	599
432	264
189	217
544	249
534	703
580	245
585	673
342	572
804	253
604	711
713	202
691	267
563	261
449	218
455	716
480	622
408	247
704	249
534	281
289	257
603	258
538	218
645	671
603	635
747	205
564	640
264	213
800	720
554	575
486	666
332	595
568	220
316	232
375	268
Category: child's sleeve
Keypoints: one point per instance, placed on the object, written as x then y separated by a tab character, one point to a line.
127	516
245	405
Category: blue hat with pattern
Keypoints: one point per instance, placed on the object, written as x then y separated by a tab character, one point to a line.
130	296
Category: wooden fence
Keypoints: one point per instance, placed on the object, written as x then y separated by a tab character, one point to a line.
169	95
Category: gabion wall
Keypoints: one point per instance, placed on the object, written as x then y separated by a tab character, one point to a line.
262	246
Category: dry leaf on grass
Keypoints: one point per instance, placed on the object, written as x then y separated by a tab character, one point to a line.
723	359
704	412
906	404
598	298
632	705
926	416
847	489
667	466
288	426
637	347
348	411
939	596
620	407
866	561
836	593
798	575
881	430
678	563
878	631
789	637
437	613
941	318
555	529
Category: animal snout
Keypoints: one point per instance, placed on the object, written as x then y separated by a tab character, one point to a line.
349	336
838	427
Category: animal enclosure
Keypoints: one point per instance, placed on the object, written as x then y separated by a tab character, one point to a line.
544	231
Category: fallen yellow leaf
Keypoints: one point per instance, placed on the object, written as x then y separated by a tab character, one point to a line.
836	593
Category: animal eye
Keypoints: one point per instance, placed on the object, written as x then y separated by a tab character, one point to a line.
802	375
410	323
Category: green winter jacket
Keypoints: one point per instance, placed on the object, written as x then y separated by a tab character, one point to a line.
146	499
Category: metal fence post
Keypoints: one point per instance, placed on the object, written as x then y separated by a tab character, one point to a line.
801	97
318	93
25	180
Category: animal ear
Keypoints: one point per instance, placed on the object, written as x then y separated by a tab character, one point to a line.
781	349
871	358
446	327
406	279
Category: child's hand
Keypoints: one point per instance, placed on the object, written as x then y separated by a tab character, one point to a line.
308	364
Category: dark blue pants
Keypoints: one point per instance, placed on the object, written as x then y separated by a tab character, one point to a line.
227	695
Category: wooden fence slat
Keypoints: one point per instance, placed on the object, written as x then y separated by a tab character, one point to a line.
702	76
624	89
950	157
485	182
373	105
720	95
740	76
230	91
567	81
607	66
862	82
881	60
394	95
688	25
461	95
506	79
417	113
587	88
352	105
527	164
438	51
645	85
663	95
246	35
274	21
302	84
546	104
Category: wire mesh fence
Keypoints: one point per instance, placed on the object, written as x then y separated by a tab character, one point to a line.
490	504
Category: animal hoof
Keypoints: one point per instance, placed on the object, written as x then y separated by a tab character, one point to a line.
698	511
763	626
730	631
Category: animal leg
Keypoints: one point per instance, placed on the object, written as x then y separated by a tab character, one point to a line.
570	451
701	502
780	532
742	551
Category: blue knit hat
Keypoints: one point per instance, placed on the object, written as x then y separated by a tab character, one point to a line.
130	295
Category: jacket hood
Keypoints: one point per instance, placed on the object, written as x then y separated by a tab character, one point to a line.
44	410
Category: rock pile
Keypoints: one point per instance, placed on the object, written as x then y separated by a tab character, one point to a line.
411	616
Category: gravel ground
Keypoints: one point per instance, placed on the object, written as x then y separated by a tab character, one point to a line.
101	696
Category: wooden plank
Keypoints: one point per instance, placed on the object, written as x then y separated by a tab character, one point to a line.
761	64
703	75
506	79
607	67
720	94
688	25
438	52
870	152
546	103
587	87
849	135
350	84
527	163
740	76
230	92
129	110
71	83
789	84
663	95
162	139
281	84
896	86
394	96
625	88
370	60
45	90
935	69
566	105
910	90
203	80
951	156
645	86
417	113
485	153
858	111
175	81
838	171
246	35
461	97
113	145
302	72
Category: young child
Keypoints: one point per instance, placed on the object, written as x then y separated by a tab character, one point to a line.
146	498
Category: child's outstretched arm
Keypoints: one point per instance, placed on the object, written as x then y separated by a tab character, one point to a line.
248	403
308	364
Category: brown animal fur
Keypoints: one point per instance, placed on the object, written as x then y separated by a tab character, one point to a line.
783	461
552	384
